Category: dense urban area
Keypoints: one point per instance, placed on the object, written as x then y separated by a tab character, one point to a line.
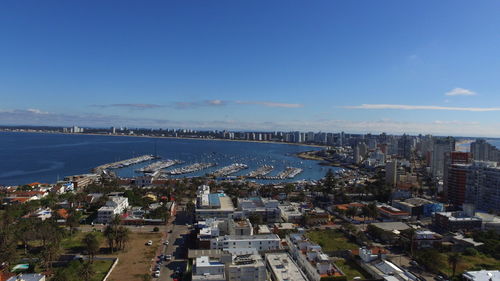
392	208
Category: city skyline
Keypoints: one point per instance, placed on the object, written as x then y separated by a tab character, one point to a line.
328	66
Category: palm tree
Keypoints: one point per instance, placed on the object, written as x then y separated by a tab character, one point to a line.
454	259
109	233
49	253
123	236
373	210
91	245
351	212
87	271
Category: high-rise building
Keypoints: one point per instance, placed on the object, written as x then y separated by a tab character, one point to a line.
455	176
483	151
483	186
356	155
391	172
405	147
440	148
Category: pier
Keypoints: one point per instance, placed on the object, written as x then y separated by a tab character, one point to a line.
260	172
288	173
157	166
190	169
228	170
123	163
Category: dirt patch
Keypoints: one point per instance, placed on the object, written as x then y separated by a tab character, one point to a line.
136	260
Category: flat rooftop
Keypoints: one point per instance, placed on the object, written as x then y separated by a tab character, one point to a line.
283	267
390	226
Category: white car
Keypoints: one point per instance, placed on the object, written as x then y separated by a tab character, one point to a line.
156	274
165	243
149	243
168	257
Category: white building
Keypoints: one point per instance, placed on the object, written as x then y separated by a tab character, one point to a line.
282	268
116	205
205	268
483	275
232	264
311	259
246	265
291	213
28	277
212	205
267	208
265	242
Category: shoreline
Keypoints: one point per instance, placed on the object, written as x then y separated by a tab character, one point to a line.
160	137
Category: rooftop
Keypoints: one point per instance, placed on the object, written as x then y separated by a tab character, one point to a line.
283	268
483	275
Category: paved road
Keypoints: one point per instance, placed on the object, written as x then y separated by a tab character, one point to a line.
133	228
176	235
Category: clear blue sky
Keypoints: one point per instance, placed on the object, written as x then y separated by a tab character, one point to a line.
358	66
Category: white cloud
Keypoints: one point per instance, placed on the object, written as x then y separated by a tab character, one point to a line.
272	104
421	107
36	111
215	102
460	92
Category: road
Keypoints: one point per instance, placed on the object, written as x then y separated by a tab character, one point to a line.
176	234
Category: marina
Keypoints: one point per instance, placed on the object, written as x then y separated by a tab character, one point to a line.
190	169
124	163
157	166
288	173
124	155
228	170
260	172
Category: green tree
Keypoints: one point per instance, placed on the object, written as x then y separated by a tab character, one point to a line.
330	182
91	245
87	271
8	244
122	237
73	221
351	212
50	252
26	232
109	233
190	207
454	259
62	274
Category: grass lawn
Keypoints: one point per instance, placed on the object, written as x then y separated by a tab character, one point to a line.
101	268
331	240
471	263
74	243
351	269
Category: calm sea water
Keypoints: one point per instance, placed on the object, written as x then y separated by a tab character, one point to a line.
29	157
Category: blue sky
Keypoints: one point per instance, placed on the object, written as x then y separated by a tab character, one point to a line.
358	66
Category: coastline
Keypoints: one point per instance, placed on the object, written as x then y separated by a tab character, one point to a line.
168	137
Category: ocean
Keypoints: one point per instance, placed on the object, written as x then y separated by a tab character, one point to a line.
38	157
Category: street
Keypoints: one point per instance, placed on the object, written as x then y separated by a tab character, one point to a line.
176	234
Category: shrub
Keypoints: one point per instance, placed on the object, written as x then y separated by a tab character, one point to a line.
471	252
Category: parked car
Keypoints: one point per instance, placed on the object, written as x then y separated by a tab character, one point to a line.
149	243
